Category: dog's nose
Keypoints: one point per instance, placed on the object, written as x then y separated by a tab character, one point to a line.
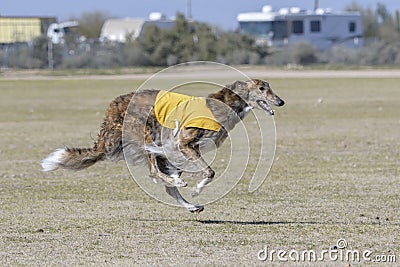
281	102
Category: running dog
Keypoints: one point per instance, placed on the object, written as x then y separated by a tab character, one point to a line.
145	127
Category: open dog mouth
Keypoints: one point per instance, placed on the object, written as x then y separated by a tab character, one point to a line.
264	105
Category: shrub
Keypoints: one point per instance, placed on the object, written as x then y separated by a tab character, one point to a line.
279	57
172	60
340	55
303	53
134	56
76	61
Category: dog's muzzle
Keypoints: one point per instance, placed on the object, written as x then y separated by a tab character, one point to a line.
265	106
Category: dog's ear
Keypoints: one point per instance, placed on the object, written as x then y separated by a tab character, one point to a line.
239	88
236	86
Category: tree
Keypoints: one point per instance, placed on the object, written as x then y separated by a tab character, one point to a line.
382	13
40	51
188	41
181	39
90	24
149	43
378	23
370	22
205	42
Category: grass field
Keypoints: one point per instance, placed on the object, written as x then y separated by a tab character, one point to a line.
335	175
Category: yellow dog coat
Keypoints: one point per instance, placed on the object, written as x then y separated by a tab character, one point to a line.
175	111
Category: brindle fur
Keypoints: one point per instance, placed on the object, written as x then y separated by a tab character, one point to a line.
146	141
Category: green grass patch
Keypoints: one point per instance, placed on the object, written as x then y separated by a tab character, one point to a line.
335	175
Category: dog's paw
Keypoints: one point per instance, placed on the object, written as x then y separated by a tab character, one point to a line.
196	208
179	182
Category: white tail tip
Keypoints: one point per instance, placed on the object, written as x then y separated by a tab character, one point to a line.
53	160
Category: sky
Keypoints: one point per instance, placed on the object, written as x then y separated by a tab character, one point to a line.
217	12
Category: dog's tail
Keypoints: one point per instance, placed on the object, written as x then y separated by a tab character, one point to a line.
76	158
72	158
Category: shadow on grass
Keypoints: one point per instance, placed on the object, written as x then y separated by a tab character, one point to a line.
250	222
216	222
227	222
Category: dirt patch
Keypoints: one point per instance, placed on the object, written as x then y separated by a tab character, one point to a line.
251	72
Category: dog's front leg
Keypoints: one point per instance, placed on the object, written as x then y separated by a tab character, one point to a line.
189	148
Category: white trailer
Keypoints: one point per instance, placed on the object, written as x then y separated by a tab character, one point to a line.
57	31
322	28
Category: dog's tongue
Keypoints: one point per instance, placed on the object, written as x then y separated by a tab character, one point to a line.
264	105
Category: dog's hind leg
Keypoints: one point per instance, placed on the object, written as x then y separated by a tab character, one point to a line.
170	179
174	192
167	177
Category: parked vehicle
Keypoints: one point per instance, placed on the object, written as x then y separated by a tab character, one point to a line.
323	28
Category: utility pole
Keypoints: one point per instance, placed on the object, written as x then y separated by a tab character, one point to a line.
50	53
189	10
316	5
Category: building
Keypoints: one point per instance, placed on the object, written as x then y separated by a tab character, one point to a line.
322	28
117	30
23	29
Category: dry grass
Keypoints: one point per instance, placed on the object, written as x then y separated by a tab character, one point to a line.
336	175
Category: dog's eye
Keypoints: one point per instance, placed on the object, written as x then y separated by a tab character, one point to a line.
262	88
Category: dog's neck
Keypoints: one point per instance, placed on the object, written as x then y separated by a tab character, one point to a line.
234	101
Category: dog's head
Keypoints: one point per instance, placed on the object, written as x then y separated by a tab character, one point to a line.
257	94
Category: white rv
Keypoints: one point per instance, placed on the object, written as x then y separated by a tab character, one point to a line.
322	27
